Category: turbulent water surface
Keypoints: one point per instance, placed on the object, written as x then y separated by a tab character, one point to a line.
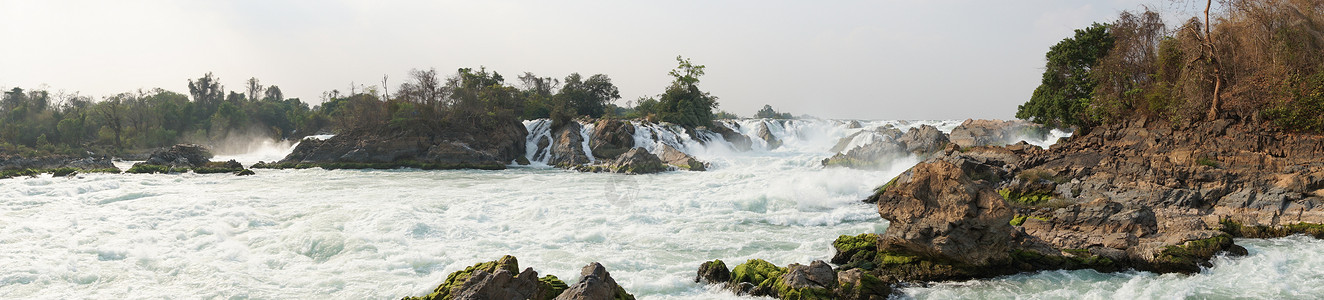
378	234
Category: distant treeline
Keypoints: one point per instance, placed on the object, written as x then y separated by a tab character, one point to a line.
1257	60
37	122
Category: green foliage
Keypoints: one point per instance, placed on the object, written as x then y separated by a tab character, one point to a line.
768	113
1206	161
683	103
1018	220
1063	96
883	188
1303	110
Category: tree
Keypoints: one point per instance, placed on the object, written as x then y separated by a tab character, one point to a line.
768	113
254	89
207	92
273	94
588	97
1064	94
683	103
112	114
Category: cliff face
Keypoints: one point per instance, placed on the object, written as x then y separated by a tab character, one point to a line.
1144	195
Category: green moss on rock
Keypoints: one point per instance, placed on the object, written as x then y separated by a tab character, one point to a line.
1191	255
554	286
1025	198
455	280
757	272
1236	229
149	169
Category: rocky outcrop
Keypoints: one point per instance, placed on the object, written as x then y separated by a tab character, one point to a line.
611	138
887	147
996	132
454	147
184	158
768	138
737	140
680	160
568	146
500	279
635	161
1139	194
595	283
923	139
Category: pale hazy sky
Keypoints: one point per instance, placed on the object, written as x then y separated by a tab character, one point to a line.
836	59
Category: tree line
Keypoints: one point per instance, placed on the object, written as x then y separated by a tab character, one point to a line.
37	122
1256	60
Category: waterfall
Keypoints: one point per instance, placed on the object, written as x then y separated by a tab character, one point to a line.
538	129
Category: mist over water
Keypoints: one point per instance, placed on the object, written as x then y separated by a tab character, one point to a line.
392	233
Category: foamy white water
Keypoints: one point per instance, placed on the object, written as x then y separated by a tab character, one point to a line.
392	233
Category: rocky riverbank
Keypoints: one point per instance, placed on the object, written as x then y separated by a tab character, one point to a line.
59	165
1140	195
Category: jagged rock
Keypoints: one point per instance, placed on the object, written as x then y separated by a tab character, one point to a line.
739	141
853	124
713	272
995	132
764	133
611	138
180	156
568	146
245	172
923	139
876	155
595	283
674	157
887	132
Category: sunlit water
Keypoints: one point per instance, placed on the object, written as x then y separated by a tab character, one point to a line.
378	234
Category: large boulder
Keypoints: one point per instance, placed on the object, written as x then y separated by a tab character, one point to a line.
713	272
995	132
923	139
674	157
611	138
936	209
181	155
595	283
877	155
737	140
183	158
887	132
636	161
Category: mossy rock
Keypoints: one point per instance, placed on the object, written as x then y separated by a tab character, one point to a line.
65	171
757	272
18	172
1236	229
245	172
456	280
1025	198
553	286
382	166
856	248
714	271
1191	255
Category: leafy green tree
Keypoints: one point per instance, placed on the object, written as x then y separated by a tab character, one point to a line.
768	113
588	97
683	103
1064	96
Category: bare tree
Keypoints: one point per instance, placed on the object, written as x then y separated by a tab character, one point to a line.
254	89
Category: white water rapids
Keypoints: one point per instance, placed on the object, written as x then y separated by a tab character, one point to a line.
375	234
